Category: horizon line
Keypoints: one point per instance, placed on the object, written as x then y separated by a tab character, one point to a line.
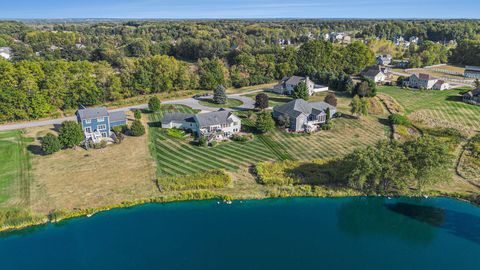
245	18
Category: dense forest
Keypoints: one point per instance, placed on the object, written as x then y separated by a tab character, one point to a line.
59	65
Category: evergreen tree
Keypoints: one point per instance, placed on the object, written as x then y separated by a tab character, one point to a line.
300	91
219	95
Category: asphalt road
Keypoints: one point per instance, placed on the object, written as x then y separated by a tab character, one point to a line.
248	103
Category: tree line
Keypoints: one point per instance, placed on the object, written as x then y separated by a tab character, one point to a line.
38	88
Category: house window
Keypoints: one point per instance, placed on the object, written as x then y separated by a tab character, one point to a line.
104	134
88	121
101	127
88	130
100	119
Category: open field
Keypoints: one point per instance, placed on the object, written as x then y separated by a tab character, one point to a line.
15	169
451	68
440	106
77	178
245	89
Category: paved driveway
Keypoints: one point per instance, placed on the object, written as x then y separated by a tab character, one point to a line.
248	103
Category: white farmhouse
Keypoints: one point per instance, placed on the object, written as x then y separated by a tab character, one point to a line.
287	85
426	81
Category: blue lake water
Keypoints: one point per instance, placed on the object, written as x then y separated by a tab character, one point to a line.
302	233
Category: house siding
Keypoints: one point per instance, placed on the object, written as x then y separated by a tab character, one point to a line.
95	123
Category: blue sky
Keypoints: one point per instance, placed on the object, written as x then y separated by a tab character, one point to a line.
240	9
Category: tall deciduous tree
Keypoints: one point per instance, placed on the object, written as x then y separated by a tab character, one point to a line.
154	104
261	101
264	122
70	134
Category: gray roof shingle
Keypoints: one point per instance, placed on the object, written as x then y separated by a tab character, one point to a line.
213	118
117	116
176	117
90	113
299	106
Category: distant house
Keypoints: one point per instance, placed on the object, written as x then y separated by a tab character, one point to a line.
217	125
303	115
401	63
472	97
413	39
425	81
441	85
472	72
375	73
287	85
97	122
384	60
6	52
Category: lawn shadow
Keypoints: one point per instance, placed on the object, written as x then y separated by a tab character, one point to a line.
280	99
155	124
56	127
457	98
35	150
347	116
384	121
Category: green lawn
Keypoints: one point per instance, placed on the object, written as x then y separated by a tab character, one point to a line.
179	157
273	98
15	175
444	105
231	103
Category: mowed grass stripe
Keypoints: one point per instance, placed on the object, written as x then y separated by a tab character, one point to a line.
186	159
